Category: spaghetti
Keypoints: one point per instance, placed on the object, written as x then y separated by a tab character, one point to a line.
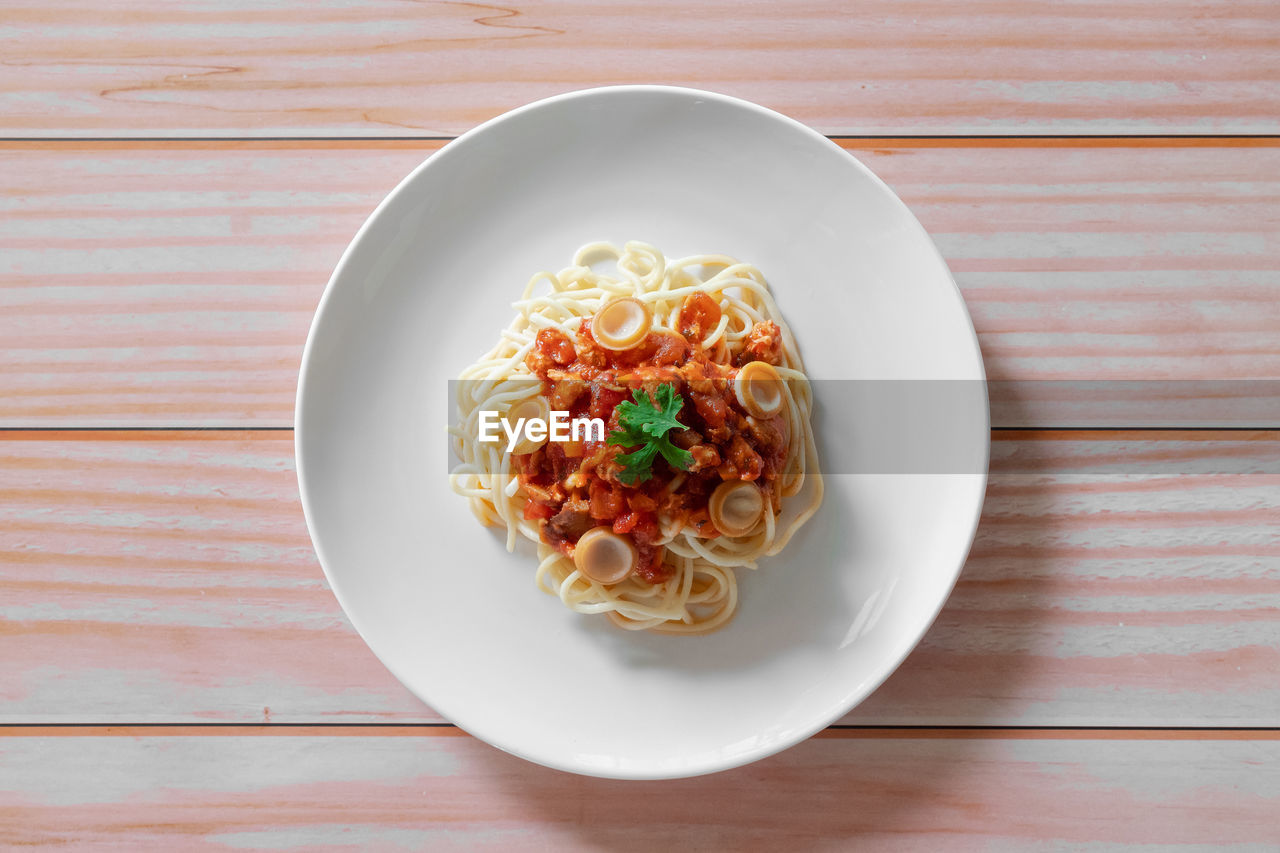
709	463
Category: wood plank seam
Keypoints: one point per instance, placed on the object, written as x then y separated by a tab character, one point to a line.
12	730
894	140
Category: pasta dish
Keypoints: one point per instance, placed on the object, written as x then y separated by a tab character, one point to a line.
648	427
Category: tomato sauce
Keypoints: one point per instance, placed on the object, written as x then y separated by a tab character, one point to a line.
573	487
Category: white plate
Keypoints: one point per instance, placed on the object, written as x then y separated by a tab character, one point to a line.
425	287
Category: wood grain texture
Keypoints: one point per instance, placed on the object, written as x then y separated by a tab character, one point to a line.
883	794
389	68
172	284
1117	579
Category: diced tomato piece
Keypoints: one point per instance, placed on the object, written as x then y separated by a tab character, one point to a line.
556	345
606	501
604	401
712	408
646	527
534	511
625	523
698	316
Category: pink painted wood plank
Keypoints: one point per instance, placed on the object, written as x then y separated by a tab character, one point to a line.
1117	579
158	68
149	578
173	284
152	792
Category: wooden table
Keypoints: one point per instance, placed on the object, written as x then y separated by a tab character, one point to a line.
178	180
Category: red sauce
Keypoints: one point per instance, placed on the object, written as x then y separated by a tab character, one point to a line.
574	488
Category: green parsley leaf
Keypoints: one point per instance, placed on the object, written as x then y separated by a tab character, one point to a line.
644	424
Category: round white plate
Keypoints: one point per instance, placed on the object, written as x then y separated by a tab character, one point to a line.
426	286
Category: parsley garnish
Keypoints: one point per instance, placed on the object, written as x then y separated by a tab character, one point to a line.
644	424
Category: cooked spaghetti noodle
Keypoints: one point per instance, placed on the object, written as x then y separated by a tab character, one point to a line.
703	327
